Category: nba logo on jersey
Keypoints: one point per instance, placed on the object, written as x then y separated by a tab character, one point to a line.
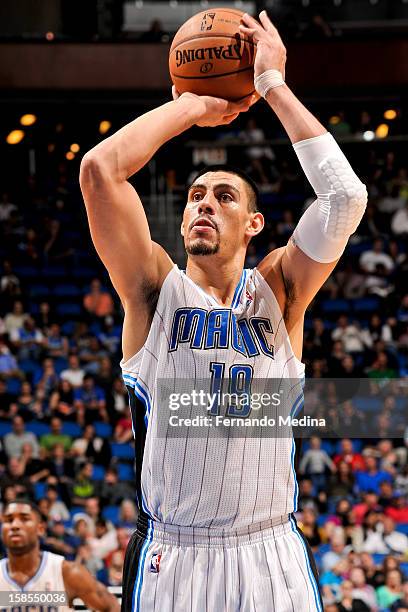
249	298
155	564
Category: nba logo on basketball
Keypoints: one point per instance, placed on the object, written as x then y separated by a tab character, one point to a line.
155	564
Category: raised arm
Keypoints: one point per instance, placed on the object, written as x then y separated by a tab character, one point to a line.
324	229
117	220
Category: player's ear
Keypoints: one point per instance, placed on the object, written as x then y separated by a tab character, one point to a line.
256	224
182	229
41	528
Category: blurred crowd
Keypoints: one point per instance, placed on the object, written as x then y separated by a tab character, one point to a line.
65	427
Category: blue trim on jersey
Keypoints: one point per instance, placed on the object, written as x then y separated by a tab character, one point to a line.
137	591
298	403
238	290
142	394
292	464
37	575
309	569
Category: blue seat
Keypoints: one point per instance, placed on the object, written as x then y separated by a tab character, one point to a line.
321	519
28	365
98	472
76	510
403	528
111	513
60	363
104	430
123	451
378	558
68	328
39	429
53	272
39	290
69	309
5	427
13	385
40	490
367	304
26	271
367	404
125	471
340	306
404	569
82	272
71	429
64	290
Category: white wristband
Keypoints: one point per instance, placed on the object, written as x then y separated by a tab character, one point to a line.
268	80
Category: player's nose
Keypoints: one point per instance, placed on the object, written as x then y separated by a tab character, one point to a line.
207	204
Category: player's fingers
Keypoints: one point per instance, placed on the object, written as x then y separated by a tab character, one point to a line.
254	98
268	25
229	118
174	93
238	107
249	21
252	33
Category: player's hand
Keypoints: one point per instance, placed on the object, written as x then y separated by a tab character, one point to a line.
216	111
270	50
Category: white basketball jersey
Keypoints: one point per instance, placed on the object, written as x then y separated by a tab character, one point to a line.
48	578
206	480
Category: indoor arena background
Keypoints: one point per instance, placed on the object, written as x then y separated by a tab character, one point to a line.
70	74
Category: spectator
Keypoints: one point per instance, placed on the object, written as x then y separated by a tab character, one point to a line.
353	338
97	302
55	344
391	590
349	456
6	207
401	604
398	509
309	527
399	222
128	515
369	260
35	469
27	340
112	575
104	541
123	431
370	478
113	491
118	402
348	602
28	406
91	447
8	363
361	590
18	437
14	477
61	402
9	282
61	466
74	374
49	440
90	402
83	487
337	550
59	541
314	463
110	336
381	368
14	320
58	510
8	401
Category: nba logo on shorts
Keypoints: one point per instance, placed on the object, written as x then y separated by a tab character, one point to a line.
155	564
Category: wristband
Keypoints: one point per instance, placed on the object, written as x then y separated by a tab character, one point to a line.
268	80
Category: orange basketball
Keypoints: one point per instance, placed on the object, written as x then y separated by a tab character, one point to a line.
209	56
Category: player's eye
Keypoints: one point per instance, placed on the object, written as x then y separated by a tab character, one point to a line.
225	197
196	197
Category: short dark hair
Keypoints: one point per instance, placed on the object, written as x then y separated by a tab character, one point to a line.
26	502
253	192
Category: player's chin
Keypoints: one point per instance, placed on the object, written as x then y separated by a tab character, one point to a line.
202	246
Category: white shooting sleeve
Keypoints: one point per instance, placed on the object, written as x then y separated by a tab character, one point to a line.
325	227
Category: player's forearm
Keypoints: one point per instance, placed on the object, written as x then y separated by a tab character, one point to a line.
298	122
130	148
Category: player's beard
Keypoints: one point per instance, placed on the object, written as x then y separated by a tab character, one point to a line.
202	247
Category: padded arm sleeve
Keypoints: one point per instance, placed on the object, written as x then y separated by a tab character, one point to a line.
324	229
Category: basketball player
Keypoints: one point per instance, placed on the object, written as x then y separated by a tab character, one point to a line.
26	568
216	530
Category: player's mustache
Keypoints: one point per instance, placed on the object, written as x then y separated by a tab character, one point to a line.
203	218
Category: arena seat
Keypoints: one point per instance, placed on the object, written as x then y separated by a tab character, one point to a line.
13	385
71	429
40	490
402	528
5	427
65	290
367	404
125	471
104	430
340	306
366	304
111	513
98	472
37	290
123	451
69	309
38	428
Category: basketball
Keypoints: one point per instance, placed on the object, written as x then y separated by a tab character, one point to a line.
209	56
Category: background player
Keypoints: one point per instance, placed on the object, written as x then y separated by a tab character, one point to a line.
238	513
26	568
